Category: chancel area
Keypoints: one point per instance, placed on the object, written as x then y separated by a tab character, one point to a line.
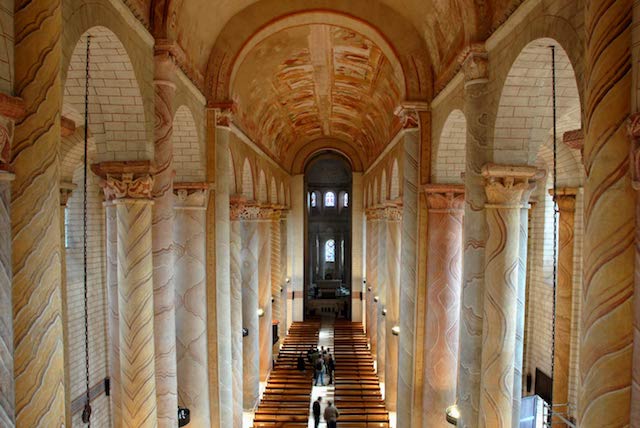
320	213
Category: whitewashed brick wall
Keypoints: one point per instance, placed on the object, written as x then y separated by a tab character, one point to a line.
449	160
189	155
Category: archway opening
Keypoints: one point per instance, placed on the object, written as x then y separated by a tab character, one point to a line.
327	285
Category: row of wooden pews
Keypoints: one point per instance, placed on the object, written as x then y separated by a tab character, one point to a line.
285	402
357	388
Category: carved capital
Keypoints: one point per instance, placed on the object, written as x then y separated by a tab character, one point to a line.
374	213
391	212
224	113
66	189
574	139
444	197
565	197
408	112
191	195
242	210
475	65
508	186
125	180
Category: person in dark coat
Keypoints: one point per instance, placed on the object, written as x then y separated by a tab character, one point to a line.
301	363
316	412
331	366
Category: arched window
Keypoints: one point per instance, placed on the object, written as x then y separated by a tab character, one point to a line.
330	251
314	201
345	200
329	199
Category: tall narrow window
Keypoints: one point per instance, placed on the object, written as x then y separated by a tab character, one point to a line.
314	201
330	251
329	199
345	200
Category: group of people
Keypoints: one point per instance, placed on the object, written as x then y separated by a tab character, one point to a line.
322	362
331	414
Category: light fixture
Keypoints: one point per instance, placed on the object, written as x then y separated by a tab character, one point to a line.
375	299
395	330
245	332
288	280
260	312
369	288
281	289
453	414
384	312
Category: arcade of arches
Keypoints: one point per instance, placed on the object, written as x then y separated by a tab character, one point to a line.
428	139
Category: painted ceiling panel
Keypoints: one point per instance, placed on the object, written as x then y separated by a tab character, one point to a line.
317	81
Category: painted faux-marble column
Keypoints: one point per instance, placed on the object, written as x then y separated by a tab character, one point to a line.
610	220
474	239
235	247
276	276
163	253
264	291
444	283
381	291
129	186
7	402
249	254
565	199
393	225
505	188
372	276
634	133
191	300
38	356
283	274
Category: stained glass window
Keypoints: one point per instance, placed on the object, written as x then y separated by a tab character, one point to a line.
345	200
314	202
330	251
329	199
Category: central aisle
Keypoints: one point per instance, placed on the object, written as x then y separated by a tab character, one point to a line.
325	339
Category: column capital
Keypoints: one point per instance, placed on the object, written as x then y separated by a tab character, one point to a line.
125	179
66	189
391	211
475	64
408	112
574	139
224	113
240	209
508	186
444	197
191	195
565	197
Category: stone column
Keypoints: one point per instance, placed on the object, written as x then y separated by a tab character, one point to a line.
444	272
264	291
372	278
249	253
129	186
393	224
381	291
634	133
284	323
356	200
474	239
191	300
565	198
163	253
38	357
65	193
276	276
7	402
610	220
236	309
368	267
505	188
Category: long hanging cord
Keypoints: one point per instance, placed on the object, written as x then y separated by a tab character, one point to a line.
555	223
86	414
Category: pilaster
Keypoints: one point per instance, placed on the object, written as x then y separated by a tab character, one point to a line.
444	271
634	166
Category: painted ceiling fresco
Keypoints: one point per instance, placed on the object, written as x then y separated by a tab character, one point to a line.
317	81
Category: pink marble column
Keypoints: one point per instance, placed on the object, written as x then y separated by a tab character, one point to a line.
444	283
235	250
505	188
393	225
128	185
283	274
380	290
276	275
191	300
264	291
163	254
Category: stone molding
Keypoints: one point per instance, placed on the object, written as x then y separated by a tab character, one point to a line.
241	209
565	197
66	189
574	139
444	197
508	186
476	65
191	195
125	179
633	128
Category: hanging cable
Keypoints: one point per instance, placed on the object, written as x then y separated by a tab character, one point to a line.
555	225
86	413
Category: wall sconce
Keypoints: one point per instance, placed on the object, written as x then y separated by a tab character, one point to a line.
395	330
453	414
288	280
260	312
375	299
245	332
273	300
281	289
369	288
384	312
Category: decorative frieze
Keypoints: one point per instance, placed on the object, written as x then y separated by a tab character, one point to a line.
125	180
444	197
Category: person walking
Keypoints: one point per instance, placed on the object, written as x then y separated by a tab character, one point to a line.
316	412
331	366
319	371
331	415
301	363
